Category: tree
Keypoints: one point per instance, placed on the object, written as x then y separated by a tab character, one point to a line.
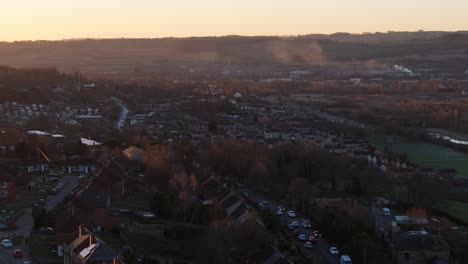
80	148
300	189
365	250
22	149
162	205
40	217
356	187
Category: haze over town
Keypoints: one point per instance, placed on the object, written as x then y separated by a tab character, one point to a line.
268	132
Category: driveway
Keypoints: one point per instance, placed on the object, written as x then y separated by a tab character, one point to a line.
320	250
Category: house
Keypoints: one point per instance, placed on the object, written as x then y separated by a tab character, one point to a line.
419	247
7	191
89	249
384	222
93	207
234	207
79	165
36	168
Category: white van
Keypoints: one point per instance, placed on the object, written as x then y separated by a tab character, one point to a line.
386	211
345	259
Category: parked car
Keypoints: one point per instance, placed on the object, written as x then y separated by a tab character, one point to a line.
302	237
54	191
306	225
245	194
312	239
334	251
41	202
345	259
6	243
317	234
240	185
146	214
279	212
308	244
295	223
52	179
291	214
49	230
26	262
18	253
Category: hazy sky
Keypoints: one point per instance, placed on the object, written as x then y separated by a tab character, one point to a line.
62	19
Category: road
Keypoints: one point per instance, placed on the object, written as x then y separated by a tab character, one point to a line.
123	114
320	250
25	223
69	184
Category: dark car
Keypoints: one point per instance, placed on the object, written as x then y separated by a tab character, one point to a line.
18	253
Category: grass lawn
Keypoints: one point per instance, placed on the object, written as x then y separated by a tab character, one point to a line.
454	209
428	155
24	199
42	246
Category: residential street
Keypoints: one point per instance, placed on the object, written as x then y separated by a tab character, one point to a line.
25	222
69	184
320	250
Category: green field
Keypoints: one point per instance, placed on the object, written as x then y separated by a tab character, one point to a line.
458	211
428	155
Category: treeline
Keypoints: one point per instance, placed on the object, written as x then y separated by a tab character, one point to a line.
276	169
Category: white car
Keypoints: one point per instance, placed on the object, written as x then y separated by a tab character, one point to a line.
306	225
6	243
308	244
345	259
334	251
148	215
302	237
279	212
291	214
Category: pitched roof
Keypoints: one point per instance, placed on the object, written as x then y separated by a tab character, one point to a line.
230	201
92	249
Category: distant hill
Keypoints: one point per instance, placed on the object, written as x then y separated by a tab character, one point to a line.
444	50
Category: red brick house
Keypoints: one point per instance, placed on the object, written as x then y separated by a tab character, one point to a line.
7	190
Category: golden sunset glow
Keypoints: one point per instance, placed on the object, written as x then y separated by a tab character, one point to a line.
63	19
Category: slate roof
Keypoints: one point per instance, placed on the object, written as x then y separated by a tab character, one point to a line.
239	212
102	253
230	201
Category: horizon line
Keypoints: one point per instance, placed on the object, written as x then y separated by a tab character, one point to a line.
234	35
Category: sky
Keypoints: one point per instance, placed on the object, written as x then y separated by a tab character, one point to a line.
66	19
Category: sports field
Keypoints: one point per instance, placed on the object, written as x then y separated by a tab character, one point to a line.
457	210
428	155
